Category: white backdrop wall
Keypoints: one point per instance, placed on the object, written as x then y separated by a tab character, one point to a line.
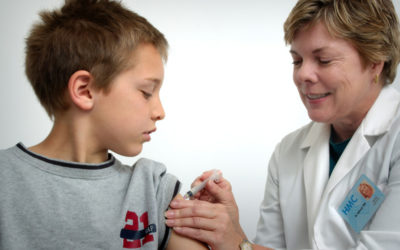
228	91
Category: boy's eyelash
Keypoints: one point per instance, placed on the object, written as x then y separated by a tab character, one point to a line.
146	94
296	62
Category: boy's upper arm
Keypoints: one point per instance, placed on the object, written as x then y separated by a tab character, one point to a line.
179	242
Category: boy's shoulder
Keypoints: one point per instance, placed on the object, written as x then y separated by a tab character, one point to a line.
7	154
155	173
145	165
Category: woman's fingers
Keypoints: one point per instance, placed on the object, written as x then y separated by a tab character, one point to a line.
192	222
197	214
179	203
202	177
205	194
192	208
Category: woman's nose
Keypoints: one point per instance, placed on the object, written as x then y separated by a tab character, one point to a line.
305	73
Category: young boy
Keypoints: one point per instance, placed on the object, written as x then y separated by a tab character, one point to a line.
97	69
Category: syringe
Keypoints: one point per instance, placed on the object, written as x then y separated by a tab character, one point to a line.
214	177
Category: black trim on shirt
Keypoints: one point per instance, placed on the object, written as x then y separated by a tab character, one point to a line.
167	229
68	164
176	190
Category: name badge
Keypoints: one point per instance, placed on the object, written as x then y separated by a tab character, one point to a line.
361	203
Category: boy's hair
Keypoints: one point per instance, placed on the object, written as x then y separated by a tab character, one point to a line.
98	36
371	26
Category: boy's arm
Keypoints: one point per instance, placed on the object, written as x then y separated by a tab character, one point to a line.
179	242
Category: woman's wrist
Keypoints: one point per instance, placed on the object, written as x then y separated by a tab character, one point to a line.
245	245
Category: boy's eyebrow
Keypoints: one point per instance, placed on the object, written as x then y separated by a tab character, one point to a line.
155	81
151	82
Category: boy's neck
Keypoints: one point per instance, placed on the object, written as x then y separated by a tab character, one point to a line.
69	141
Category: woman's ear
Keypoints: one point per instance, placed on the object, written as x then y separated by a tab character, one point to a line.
80	89
376	69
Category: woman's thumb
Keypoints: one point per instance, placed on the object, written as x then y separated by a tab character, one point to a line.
219	194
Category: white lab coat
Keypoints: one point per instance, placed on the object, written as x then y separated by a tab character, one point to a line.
299	210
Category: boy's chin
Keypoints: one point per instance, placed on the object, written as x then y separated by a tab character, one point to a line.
130	152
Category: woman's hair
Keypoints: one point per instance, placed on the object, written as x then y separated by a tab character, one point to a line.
372	27
98	36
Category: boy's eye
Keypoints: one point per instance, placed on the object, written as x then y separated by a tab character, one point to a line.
146	95
296	62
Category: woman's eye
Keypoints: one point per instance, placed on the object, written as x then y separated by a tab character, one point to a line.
321	61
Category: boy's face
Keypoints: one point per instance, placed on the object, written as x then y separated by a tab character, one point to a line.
125	116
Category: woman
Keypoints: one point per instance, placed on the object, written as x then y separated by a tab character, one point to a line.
345	55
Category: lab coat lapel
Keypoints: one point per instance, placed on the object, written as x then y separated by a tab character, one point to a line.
356	148
316	168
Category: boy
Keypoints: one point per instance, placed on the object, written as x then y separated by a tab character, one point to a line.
97	69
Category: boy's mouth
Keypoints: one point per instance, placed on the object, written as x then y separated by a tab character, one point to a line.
147	136
151	131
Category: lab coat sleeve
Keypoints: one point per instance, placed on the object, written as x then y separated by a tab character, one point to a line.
384	230
270	231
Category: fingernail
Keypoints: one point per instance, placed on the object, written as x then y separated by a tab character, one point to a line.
170	223
169	213
178	229
173	203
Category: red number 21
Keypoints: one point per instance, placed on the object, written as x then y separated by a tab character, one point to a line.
132	218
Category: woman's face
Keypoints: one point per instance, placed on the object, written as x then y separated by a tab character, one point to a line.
334	85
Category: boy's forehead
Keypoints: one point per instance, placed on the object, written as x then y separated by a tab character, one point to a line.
146	63
144	53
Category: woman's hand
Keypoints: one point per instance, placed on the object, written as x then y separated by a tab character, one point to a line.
219	192
212	218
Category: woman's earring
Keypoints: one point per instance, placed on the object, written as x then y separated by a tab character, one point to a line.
377	79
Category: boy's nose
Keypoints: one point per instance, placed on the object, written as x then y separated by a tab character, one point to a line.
158	111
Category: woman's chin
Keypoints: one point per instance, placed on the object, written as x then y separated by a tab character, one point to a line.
318	117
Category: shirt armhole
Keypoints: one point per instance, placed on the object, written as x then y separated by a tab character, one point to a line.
167	229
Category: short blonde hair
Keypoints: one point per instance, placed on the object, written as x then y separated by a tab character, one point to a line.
372	27
98	36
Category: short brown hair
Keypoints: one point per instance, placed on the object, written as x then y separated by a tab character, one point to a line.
372	26
98	36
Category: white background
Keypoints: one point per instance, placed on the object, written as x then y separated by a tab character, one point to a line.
228	91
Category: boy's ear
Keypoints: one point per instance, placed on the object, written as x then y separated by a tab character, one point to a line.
80	89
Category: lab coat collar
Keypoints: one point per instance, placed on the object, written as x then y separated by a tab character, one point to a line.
380	117
317	129
377	121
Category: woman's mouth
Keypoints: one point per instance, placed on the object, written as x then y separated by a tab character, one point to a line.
316	96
